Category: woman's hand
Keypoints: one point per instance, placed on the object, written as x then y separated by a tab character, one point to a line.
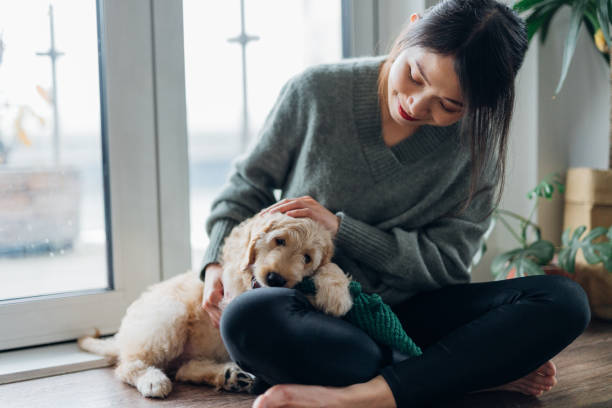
306	207
213	292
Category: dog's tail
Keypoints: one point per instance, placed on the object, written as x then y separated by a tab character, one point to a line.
103	347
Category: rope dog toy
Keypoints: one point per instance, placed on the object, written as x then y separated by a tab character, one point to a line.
373	316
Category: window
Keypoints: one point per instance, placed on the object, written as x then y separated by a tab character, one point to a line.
79	210
52	228
121	92
226	105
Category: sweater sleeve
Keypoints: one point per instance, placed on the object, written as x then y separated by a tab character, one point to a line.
436	255
256	175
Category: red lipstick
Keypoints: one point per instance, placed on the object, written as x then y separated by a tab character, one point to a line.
403	113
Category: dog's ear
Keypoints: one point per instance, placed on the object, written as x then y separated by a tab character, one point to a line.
327	248
249	255
257	230
328	253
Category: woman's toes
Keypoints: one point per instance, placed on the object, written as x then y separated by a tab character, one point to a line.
546	381
548	369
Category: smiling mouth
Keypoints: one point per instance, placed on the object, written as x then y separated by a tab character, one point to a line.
404	114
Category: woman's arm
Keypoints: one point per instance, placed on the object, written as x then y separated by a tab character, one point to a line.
435	255
255	176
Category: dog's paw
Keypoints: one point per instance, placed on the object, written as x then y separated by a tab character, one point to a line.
333	295
335	303
237	380
154	383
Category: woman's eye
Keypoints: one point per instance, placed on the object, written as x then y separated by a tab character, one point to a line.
446	109
307	259
280	242
410	75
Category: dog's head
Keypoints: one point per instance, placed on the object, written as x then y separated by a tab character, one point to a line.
283	250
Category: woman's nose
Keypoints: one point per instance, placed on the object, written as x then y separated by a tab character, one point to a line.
418	106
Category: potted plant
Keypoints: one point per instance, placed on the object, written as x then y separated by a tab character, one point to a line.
575	258
588	199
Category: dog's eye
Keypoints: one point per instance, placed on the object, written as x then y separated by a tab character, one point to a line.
280	242
307	258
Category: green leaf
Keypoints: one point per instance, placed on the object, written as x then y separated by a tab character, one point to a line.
546	187
597	253
604	249
543	251
593	252
501	265
570	43
565	237
548	190
591	255
578	233
525	5
546	23
540	19
525	261
604	17
565	259
526	267
560	187
596	233
590	16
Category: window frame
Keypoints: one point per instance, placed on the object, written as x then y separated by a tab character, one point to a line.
142	107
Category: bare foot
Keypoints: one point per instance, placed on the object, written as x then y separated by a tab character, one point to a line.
300	396
374	393
535	383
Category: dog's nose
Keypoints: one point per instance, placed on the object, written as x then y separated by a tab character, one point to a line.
274	279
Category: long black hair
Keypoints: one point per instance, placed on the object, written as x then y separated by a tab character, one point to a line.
488	41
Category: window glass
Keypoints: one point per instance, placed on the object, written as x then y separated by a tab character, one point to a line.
278	45
52	206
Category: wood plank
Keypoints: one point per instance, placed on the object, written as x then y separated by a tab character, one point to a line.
99	388
584	374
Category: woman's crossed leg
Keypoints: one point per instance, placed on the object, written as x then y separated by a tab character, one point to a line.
474	337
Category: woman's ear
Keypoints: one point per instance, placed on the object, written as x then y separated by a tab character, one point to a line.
414	17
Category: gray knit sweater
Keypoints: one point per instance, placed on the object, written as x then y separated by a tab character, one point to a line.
401	231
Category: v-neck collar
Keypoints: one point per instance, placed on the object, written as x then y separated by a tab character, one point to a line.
385	161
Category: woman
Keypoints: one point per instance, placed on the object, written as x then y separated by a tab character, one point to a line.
400	157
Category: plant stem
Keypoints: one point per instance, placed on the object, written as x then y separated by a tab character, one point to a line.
509	228
518	217
528	222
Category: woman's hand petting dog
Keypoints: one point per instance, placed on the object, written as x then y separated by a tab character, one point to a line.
213	292
306	207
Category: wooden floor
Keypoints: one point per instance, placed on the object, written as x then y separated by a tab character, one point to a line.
584	368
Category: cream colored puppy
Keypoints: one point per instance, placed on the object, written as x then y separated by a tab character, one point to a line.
166	331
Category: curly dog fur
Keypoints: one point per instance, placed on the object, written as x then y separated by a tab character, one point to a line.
165	332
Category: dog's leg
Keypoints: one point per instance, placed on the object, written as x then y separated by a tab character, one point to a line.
149	380
226	376
333	296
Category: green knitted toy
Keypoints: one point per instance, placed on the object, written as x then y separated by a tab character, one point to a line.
373	316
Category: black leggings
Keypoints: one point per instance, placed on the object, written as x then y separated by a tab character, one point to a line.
473	336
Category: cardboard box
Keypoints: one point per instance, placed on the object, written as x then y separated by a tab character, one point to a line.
588	198
588	202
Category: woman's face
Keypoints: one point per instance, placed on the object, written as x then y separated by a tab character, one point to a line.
423	89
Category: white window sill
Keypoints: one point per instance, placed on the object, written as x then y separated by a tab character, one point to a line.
45	361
